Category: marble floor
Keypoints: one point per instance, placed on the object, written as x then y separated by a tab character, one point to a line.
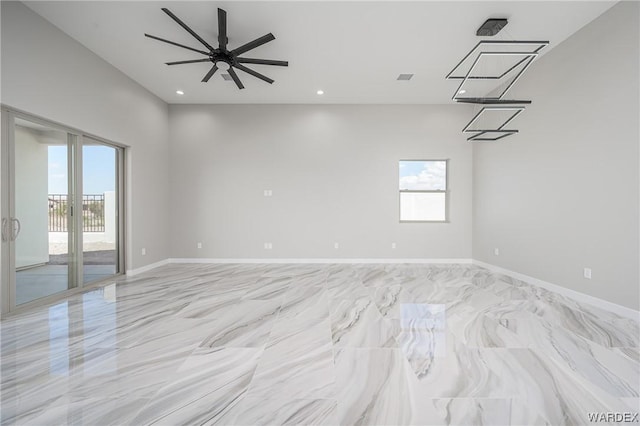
317	344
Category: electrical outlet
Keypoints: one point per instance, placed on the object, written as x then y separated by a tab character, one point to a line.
268	192
393	245
496	251
587	273
336	245
199	245
268	246
143	251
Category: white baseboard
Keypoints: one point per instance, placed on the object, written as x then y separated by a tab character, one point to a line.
316	260
134	272
575	295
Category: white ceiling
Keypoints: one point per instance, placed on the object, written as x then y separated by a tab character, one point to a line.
352	50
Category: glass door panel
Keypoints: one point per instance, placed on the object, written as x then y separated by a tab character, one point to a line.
42	230
99	210
61	210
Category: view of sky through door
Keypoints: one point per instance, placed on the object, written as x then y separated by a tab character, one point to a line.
99	210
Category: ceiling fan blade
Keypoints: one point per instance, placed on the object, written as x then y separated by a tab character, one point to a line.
253	44
222	29
177	44
253	73
263	62
235	78
211	72
186	27
192	61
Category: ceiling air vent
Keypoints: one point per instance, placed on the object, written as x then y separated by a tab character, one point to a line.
404	77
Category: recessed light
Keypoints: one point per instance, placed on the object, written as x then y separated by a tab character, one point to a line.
462	92
179	92
320	92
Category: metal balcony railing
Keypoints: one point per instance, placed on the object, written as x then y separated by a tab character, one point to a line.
92	212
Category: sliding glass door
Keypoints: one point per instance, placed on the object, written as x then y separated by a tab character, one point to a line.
61	210
100	201
42	195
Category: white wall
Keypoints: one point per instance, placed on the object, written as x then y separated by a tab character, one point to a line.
564	193
333	170
31	190
46	73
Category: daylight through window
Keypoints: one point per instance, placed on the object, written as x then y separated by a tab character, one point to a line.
423	190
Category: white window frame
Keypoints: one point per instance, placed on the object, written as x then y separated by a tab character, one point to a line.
437	191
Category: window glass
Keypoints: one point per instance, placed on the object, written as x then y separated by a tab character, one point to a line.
423	190
423	175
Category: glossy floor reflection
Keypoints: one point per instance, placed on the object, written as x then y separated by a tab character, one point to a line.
41	281
317	344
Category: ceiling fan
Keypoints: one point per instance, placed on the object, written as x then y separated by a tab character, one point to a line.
222	58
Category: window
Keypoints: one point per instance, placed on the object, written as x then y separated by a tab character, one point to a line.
423	190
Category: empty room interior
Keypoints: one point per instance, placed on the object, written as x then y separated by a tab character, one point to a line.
320	212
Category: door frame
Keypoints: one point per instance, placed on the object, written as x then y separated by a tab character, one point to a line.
75	139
